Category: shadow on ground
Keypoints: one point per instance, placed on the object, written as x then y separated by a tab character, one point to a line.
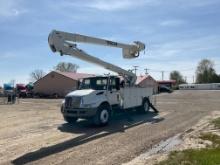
119	123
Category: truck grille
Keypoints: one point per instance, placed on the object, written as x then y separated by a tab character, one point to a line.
72	102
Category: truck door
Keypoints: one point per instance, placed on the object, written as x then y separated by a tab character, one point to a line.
113	93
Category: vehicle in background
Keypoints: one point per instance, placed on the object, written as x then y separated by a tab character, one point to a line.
210	86
164	89
30	89
8	88
21	90
168	83
9	92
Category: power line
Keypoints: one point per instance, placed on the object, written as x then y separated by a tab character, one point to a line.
154	70
147	70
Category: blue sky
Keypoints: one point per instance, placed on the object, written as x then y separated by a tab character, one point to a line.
177	34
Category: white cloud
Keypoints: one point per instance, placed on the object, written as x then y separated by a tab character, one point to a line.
165	56
113	5
172	23
187	46
94	70
7	55
177	56
10	8
199	3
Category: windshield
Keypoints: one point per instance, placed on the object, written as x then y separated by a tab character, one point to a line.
96	83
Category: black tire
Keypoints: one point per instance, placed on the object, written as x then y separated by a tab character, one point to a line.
103	115
70	119
145	106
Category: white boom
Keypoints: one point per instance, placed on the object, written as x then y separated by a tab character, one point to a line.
65	43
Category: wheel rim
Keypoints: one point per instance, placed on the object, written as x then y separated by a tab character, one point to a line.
104	116
146	106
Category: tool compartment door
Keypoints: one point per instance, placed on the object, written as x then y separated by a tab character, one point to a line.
133	96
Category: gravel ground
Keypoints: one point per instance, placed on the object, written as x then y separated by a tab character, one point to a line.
34	131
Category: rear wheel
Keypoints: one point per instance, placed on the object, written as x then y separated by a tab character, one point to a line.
102	116
70	119
145	106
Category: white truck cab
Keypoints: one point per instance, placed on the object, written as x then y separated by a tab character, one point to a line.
94	93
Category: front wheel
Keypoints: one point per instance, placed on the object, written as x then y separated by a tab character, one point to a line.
102	116
70	119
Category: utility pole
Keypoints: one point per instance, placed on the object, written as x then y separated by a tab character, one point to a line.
146	73
135	69
162	72
185	78
193	79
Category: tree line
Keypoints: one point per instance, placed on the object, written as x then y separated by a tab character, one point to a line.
205	73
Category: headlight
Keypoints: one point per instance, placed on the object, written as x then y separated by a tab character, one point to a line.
83	104
91	105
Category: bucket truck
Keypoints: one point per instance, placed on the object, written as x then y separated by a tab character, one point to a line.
97	97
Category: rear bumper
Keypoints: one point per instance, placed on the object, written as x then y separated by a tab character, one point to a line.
79	112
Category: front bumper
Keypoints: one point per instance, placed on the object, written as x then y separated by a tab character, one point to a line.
79	112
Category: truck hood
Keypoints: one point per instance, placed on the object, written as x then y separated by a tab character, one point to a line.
81	92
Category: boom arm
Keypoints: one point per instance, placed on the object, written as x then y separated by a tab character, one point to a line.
65	44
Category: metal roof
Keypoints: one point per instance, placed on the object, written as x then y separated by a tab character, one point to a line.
71	75
75	76
142	78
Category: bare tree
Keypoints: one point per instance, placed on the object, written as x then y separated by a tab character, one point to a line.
66	67
37	74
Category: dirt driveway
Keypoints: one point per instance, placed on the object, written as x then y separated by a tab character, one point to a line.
34	132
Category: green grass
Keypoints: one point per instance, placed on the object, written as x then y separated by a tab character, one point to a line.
215	139
209	156
216	123
205	156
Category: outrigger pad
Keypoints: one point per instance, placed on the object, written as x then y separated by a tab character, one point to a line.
153	107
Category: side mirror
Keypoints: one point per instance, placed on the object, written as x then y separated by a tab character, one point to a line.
117	84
